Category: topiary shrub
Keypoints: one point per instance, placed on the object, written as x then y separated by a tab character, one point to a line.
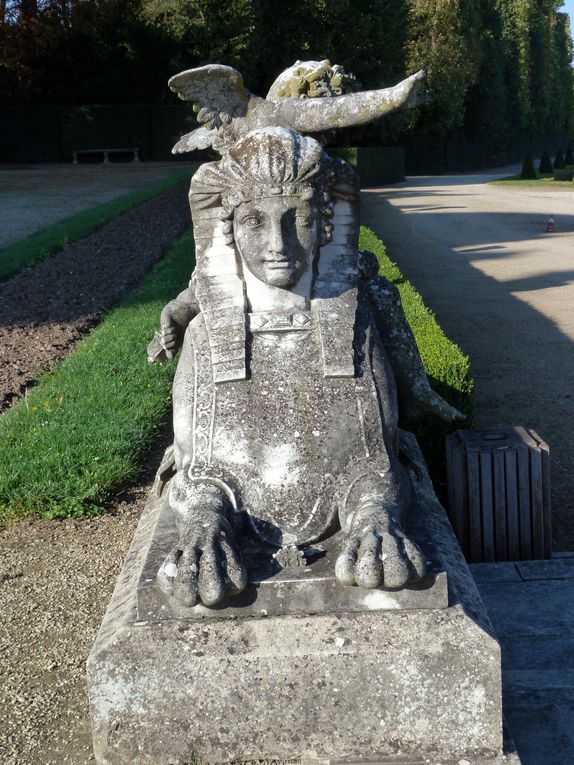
528	172
569	156
545	166
559	160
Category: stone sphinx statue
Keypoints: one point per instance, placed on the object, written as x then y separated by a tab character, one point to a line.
274	605
285	395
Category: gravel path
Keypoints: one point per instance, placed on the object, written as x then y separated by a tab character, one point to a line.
56	191
45	310
56	578
503	290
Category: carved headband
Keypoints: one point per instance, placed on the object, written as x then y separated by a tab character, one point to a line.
249	193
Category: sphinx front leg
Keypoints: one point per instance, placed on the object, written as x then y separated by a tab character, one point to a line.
205	565
376	552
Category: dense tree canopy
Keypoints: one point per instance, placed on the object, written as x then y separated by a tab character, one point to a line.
500	68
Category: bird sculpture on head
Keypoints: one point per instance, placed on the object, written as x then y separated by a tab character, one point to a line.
311	97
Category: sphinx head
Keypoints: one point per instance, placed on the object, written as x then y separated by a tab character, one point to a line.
276	207
279	209
277	238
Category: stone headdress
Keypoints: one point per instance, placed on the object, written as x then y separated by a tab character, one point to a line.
268	162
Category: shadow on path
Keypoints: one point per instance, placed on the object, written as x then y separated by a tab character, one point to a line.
531	605
522	360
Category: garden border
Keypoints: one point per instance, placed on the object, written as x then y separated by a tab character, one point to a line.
41	244
83	431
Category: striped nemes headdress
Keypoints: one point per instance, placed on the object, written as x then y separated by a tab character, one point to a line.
268	162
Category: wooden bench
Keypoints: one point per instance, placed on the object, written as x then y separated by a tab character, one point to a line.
106	152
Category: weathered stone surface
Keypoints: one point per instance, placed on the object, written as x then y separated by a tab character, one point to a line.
306	588
417	686
227	111
285	396
312	79
338	619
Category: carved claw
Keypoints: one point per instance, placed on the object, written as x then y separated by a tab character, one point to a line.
445	411
433	404
205	566
156	352
377	553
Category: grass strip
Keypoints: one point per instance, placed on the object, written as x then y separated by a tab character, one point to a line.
447	367
542	182
82	432
40	245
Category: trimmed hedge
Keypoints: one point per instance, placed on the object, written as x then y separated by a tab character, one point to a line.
545	166
528	172
51	133
374	165
564	175
559	160
447	368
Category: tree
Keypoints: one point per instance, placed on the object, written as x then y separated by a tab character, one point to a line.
499	71
528	171
442	40
545	166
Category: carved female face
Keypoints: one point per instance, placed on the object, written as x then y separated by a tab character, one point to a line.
277	238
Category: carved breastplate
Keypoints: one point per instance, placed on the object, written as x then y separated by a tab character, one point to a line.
287	439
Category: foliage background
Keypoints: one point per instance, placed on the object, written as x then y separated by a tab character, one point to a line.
499	70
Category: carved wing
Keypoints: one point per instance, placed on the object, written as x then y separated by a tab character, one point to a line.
200	138
218	95
217	92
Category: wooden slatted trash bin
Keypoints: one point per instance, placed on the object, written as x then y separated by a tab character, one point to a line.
499	493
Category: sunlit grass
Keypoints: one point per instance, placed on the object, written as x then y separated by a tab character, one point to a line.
447	367
544	181
83	430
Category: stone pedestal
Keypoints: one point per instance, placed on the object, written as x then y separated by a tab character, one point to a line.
409	677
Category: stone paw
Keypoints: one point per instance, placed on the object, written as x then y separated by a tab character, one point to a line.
205	567
379	554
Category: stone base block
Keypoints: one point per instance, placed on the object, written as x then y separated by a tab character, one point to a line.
401	685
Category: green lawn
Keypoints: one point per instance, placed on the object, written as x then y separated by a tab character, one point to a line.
447	368
84	430
542	182
46	242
